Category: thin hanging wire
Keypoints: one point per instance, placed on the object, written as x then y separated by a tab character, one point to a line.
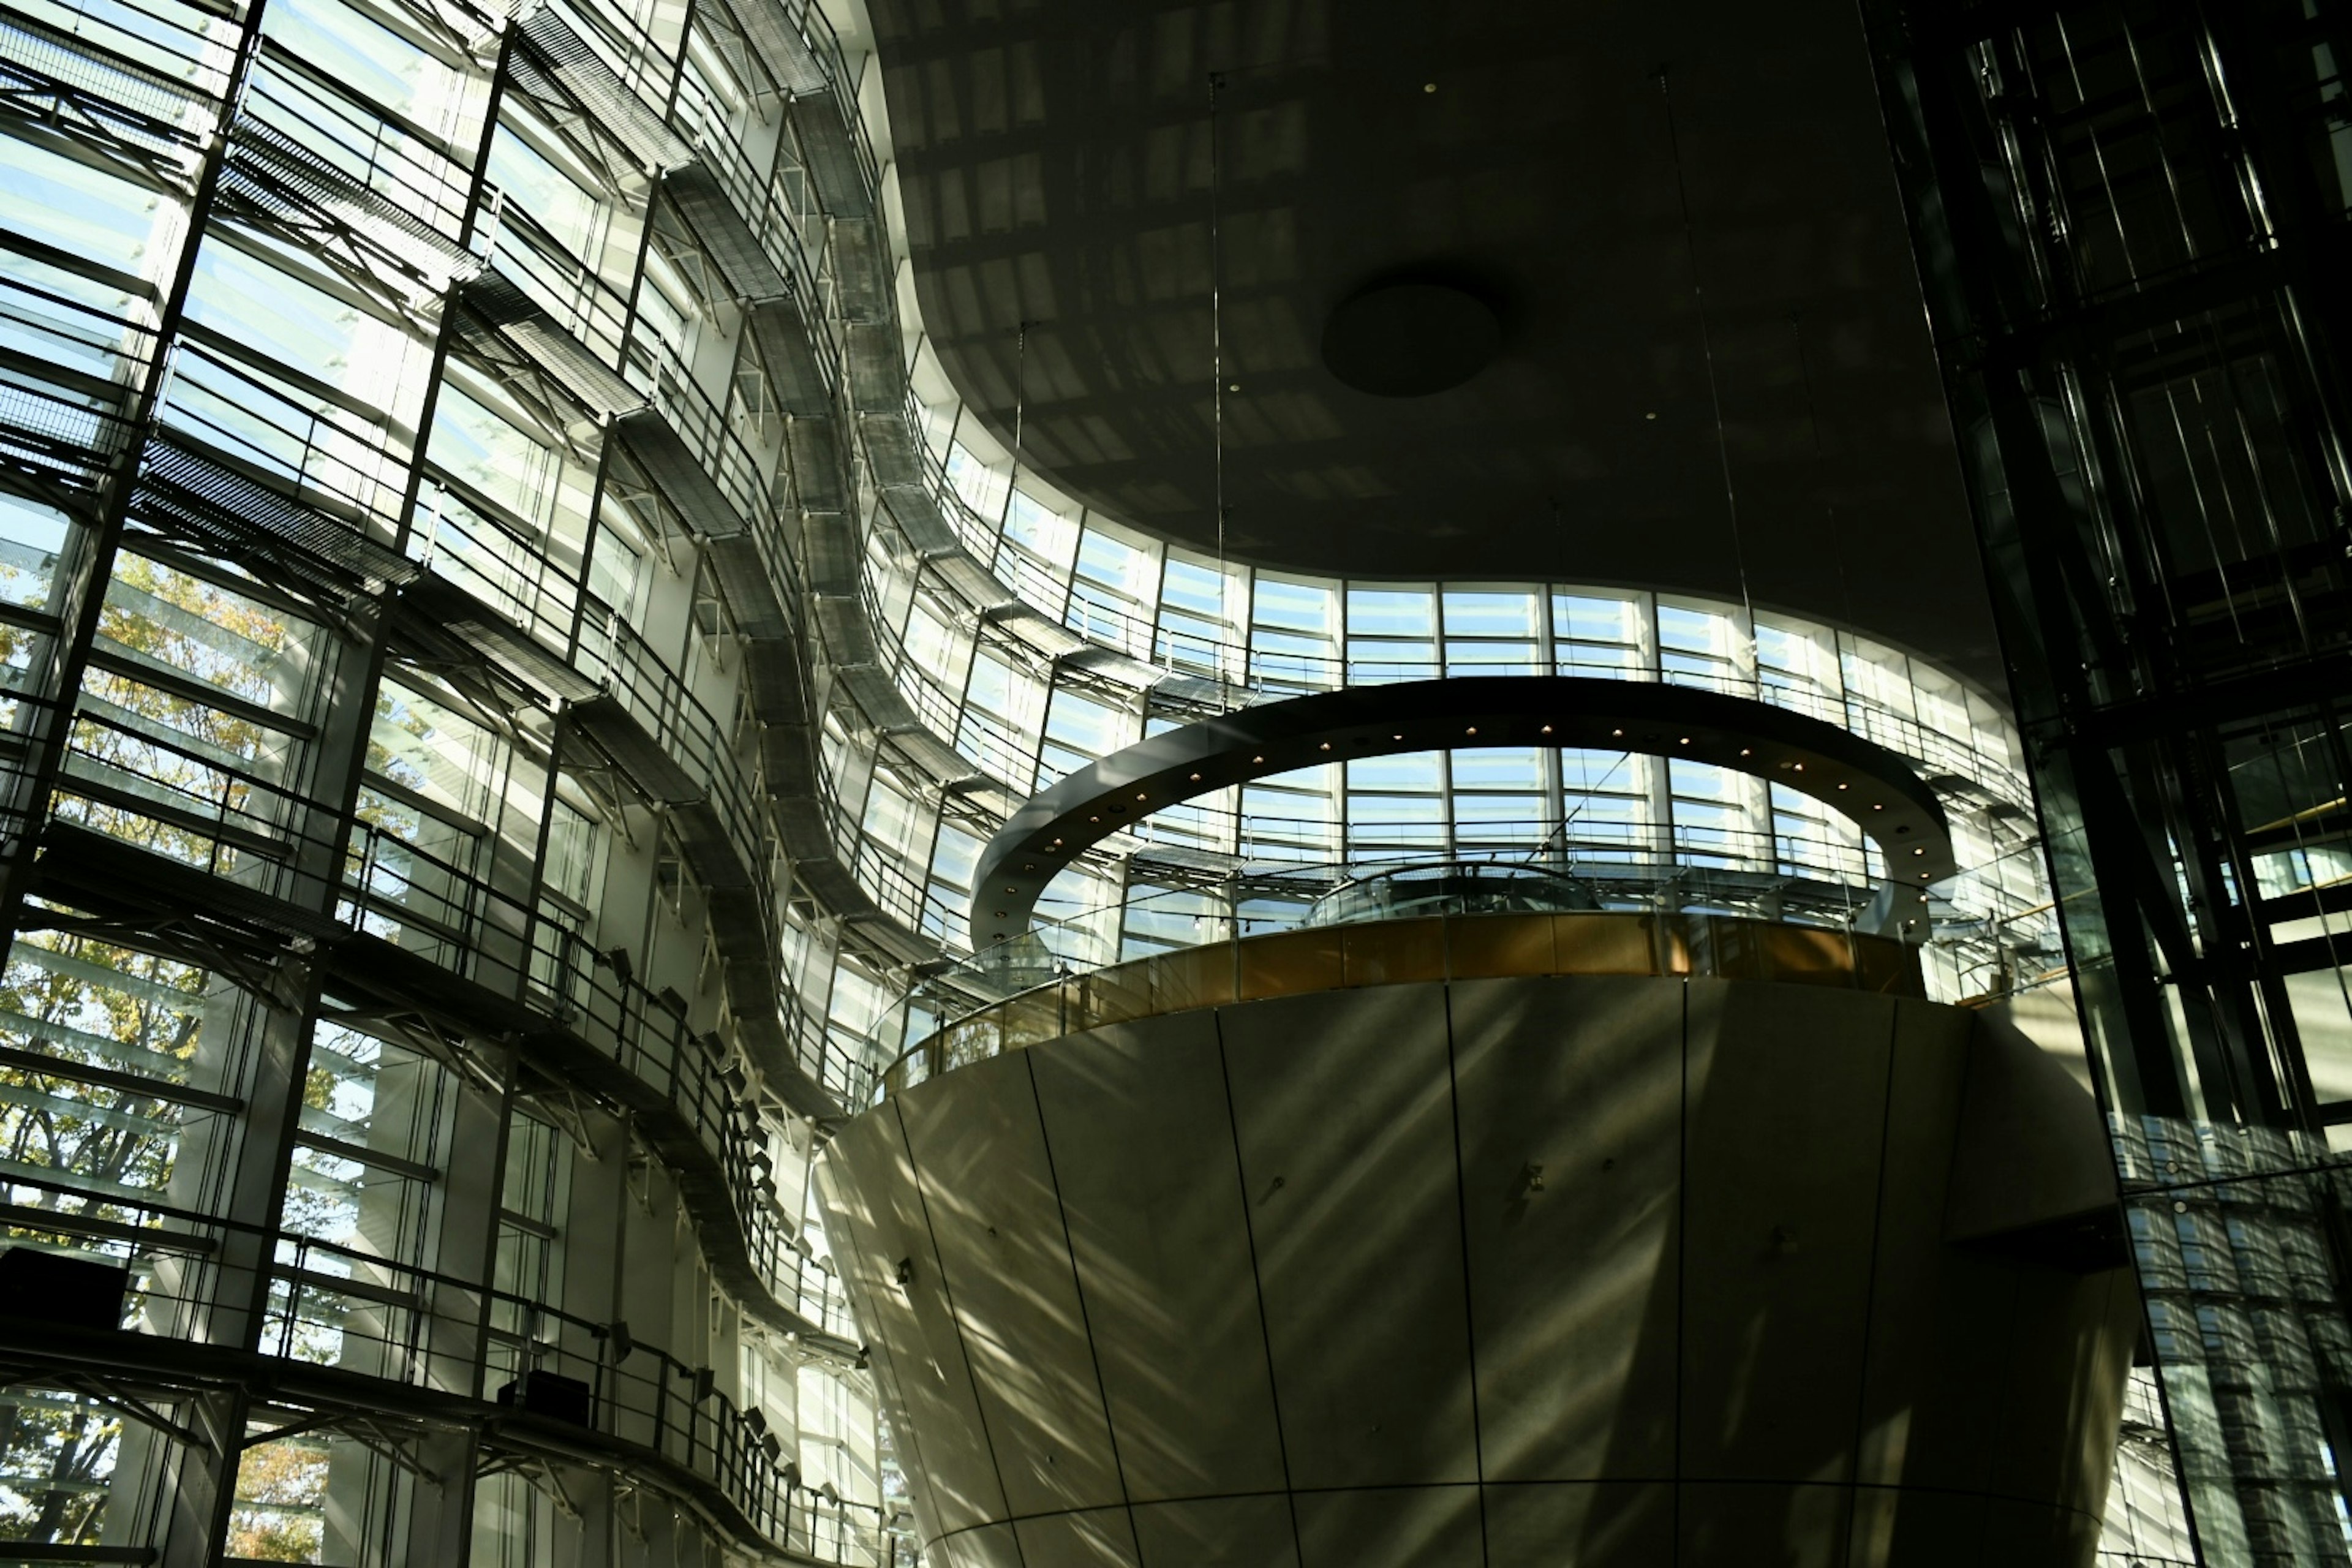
1568	820
1706	345
1217	352
1020	406
1845	597
1820	455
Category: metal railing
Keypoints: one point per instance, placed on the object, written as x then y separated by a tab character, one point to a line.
563	974
570	291
1458	937
318	450
1248	672
612	651
328	1303
255	834
1968	926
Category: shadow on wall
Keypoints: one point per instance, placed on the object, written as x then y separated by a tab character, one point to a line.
1595	1271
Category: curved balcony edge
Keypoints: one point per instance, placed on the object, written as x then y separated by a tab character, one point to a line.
687	1123
1440	948
1833	765
742	1487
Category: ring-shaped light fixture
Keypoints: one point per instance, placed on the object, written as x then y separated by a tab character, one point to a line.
1862	780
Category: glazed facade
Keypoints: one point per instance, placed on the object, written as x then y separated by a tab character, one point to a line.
2124	215
408	773
1100	635
511	657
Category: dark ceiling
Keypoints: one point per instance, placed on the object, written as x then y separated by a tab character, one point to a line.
1056	161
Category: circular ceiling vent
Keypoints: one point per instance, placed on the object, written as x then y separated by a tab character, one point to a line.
1410	339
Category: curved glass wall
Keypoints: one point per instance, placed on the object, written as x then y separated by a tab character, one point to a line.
1154	640
505	663
428	829
1028	636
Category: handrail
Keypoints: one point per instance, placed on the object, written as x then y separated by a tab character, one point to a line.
611	650
627	1023
570	291
1245	671
1267	896
771	222
331	1303
469	537
297	454
653	367
1448	941
446	915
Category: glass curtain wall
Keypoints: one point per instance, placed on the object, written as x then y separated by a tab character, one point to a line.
420	871
1022	718
2129	216
494	698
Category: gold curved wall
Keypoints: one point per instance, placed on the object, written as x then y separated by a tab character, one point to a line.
1435	1269
1438	947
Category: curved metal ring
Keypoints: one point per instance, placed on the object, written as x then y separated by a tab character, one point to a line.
1860	779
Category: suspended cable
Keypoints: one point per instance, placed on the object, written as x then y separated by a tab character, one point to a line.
1217	348
1020	406
1820	455
1845	597
1569	820
1706	345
